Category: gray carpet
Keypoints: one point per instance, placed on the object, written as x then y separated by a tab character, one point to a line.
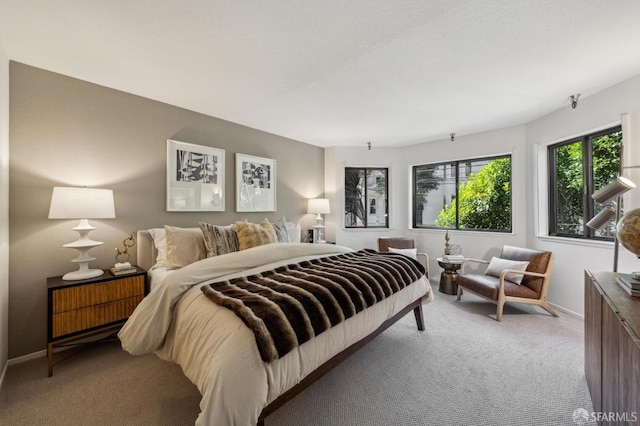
465	369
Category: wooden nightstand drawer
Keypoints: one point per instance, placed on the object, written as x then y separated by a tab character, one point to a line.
78	309
77	297
73	321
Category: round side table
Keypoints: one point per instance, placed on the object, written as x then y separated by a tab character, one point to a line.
448	277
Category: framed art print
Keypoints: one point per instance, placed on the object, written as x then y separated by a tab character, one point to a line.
195	178
255	184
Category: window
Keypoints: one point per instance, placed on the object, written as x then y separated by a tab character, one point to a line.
474	195
366	187
577	168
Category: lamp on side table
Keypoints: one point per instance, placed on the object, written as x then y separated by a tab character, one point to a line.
83	204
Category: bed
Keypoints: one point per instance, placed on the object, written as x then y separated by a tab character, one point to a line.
216	349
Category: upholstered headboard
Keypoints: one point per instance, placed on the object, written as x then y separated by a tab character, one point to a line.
146	250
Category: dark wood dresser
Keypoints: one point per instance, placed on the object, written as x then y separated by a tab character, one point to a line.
612	349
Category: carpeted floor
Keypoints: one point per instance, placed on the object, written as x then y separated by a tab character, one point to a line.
464	369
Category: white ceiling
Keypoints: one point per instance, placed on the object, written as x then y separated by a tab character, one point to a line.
338	72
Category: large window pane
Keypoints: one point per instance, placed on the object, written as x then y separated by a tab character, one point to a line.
577	169
469	194
433	186
484	195
366	198
569	205
606	166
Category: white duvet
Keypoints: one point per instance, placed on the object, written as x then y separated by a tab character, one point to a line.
218	353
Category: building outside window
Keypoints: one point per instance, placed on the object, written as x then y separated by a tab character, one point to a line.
365	186
577	168
475	195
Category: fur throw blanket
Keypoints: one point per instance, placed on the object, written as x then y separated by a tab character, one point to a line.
288	306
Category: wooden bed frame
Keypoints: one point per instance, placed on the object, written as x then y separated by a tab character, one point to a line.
146	254
416	306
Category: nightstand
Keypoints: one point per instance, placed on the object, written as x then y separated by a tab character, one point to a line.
78	309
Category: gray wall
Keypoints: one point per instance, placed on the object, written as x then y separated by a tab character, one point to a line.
4	209
67	132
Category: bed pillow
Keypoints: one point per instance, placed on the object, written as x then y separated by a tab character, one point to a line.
294	231
282	234
184	246
219	239
160	241
253	234
497	265
410	252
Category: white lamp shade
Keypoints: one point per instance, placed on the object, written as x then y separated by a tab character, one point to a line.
318	206
81	203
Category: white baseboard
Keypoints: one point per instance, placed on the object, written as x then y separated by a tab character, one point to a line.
27	357
567	311
4	372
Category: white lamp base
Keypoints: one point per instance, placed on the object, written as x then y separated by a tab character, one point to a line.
318	230
82	274
83	245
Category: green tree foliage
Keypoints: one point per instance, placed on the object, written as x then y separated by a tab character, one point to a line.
570	177
484	202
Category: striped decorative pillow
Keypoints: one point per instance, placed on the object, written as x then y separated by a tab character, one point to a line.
219	239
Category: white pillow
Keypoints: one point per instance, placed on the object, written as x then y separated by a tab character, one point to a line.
294	231
160	241
410	252
497	265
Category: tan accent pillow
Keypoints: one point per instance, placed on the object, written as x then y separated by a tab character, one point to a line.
184	246
253	234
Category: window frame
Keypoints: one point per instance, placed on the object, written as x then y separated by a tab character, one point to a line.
366	205
458	165
588	205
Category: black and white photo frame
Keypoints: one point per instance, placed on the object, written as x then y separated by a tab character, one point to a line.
255	184
195	178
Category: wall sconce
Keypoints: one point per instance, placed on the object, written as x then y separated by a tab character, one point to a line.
318	206
605	195
83	204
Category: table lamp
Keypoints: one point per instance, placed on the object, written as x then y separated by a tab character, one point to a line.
83	204
318	206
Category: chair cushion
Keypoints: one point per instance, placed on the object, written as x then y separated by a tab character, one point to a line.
487	286
538	261
497	265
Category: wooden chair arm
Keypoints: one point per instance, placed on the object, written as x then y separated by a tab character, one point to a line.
471	259
426	263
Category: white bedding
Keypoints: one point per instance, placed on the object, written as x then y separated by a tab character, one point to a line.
218	353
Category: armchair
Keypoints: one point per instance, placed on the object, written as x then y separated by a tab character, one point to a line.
403	244
501	287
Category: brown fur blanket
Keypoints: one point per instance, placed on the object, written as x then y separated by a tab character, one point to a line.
289	305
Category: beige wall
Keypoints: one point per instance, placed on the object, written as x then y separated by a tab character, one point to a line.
66	132
4	209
